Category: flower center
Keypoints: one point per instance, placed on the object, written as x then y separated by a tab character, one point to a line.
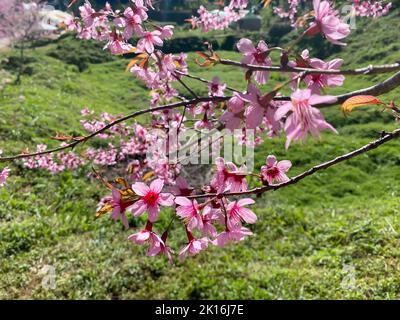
151	198
273	172
260	56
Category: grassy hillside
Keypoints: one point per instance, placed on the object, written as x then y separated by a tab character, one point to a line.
309	239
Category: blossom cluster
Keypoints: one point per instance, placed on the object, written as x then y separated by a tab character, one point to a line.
217	212
219	19
126	144
216	221
367	8
4	173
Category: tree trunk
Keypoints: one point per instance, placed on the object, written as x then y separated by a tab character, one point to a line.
21	65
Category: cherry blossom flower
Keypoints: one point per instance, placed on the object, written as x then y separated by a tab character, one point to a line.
215	88
257	109
274	170
147	235
256	56
150	199
304	118
209	216
236	103
86	11
238	4
119	207
149	39
237	212
371	8
236	180
328	23
317	81
4	176
131	21
166	31
234	235
231	120
181	188
118	46
189	211
194	246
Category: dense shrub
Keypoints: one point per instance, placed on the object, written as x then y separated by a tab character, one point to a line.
79	53
13	64
187	44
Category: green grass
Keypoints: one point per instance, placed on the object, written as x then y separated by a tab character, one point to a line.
306	236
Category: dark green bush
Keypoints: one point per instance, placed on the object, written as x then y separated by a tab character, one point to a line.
13	64
80	52
187	44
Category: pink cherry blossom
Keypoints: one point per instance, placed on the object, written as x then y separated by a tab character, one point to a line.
371	8
231	120
4	176
316	82
209	217
86	12
236	103
150	199
257	109
117	45
215	88
193	247
149	39
119	207
189	211
304	118
237	212
234	235
328	23
255	56
166	32
131	21
274	170
148	236
236	179
181	188
238	4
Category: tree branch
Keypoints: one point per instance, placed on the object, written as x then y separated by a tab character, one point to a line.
111	124
370	146
371	69
376	90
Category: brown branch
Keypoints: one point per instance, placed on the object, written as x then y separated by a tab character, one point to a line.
370	146
371	69
376	90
